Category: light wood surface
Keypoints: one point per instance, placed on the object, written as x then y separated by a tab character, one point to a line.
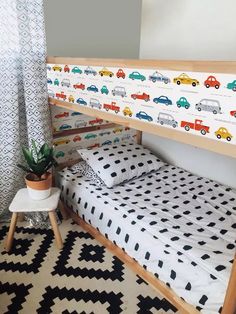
53	220
63	210
139	137
175	65
157	284
180	136
10	236
21	217
230	297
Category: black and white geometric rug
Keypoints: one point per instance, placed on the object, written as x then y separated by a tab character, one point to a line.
83	277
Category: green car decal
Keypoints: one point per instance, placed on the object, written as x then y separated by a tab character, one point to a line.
232	85
137	76
104	90
56	82
76	70
91	135
182	102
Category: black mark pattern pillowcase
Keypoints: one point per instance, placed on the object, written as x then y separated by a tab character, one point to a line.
119	163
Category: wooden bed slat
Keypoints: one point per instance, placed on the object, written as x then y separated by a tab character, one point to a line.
230	297
175	65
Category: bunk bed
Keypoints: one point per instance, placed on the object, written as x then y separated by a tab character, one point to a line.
85	191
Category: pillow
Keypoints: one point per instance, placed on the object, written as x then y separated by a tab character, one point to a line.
78	168
83	169
119	163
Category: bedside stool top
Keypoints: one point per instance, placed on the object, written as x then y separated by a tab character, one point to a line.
23	203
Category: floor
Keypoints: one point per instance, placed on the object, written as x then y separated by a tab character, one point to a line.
81	278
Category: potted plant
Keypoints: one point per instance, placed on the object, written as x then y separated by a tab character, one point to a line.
38	178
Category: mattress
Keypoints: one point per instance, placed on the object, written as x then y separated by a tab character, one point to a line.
177	225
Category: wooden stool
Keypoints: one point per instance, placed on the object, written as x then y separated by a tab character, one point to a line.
22	203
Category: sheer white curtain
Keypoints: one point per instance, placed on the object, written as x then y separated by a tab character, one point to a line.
24	112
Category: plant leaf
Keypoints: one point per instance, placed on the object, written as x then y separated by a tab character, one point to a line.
48	167
28	157
34	147
45	150
24	168
42	149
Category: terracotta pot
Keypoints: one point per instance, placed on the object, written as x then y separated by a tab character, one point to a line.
39	189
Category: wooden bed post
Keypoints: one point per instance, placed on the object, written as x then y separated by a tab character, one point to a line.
230	297
139	136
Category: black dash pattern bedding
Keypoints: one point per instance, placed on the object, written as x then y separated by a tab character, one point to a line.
179	226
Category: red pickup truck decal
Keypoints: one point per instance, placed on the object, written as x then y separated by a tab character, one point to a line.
112	107
61	95
97	120
196	125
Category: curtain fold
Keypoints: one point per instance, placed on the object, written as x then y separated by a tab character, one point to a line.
24	110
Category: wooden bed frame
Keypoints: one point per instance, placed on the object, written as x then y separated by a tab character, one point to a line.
229	306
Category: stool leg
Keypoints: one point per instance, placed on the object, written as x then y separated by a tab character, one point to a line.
11	231
21	217
55	229
63	210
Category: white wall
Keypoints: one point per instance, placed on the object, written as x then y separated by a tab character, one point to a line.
190	30
89	28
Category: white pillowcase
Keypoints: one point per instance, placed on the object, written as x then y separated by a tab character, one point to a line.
119	163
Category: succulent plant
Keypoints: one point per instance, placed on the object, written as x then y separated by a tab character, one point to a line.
39	160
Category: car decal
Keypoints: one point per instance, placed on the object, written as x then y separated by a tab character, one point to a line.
170	99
